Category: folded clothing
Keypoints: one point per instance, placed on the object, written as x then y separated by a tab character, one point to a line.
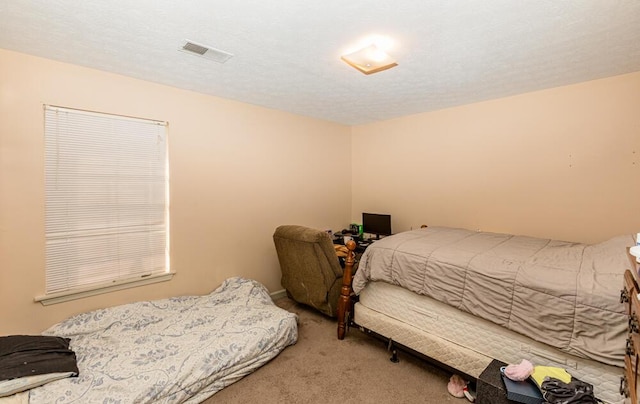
29	355
540	373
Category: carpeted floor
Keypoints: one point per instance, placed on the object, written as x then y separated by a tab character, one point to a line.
321	369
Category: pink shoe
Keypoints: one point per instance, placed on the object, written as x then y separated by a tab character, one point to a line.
456	386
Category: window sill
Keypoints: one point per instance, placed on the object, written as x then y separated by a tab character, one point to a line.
66	296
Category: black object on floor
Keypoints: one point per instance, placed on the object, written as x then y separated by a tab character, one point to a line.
490	388
522	392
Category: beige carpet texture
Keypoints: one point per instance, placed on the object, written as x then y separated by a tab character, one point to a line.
321	369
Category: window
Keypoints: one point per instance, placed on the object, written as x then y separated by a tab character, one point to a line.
107	210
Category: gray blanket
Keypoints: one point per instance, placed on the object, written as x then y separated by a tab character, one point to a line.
560	293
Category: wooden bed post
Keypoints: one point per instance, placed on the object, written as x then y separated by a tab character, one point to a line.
344	302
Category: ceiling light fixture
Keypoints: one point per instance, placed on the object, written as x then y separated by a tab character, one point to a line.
370	59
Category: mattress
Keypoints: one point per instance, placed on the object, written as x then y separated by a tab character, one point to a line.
169	351
466	342
562	294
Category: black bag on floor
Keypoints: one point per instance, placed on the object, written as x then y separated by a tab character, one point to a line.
556	391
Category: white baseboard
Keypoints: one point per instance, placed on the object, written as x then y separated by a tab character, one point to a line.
278	294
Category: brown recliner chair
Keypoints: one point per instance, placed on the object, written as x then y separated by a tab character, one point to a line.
311	272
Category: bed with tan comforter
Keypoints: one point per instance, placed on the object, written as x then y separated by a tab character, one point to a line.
560	293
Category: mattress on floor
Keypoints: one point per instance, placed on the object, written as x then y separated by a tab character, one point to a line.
168	351
465	342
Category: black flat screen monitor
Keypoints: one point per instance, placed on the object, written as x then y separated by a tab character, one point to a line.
374	223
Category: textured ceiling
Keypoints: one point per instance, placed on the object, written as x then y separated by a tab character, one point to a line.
287	52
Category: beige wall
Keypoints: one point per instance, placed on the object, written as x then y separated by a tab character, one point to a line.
561	163
237	171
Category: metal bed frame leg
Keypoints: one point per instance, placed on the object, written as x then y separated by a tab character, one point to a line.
394	351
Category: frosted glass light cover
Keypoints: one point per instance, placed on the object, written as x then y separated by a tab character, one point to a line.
370	60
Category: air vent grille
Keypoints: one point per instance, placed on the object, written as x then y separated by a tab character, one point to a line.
208	52
195	48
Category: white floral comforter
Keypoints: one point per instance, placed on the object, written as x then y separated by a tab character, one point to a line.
173	350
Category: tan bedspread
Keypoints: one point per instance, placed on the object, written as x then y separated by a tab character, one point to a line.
564	294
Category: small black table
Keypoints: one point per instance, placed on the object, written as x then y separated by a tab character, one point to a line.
361	244
489	387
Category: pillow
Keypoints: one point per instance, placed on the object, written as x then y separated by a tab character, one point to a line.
13	386
20	398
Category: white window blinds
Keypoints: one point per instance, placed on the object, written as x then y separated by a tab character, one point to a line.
106	180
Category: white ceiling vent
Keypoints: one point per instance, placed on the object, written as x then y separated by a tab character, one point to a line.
208	52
